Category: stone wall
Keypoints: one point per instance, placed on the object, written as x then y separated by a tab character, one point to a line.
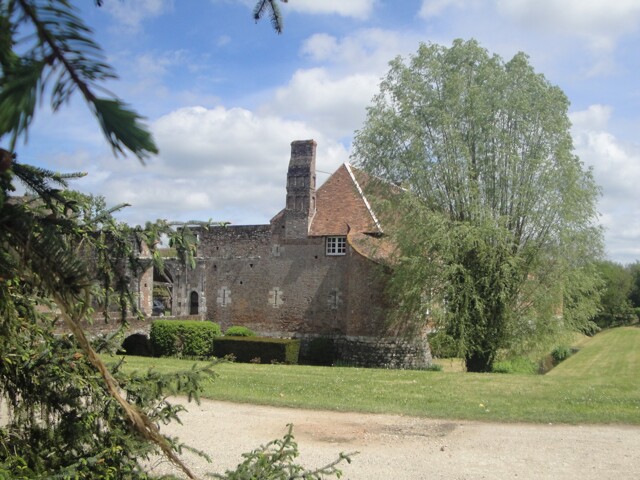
100	328
256	277
383	352
378	352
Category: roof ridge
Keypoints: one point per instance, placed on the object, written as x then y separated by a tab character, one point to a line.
362	195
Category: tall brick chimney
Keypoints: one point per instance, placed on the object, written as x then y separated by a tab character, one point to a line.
301	189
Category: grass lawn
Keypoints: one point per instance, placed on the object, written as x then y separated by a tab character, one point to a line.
599	384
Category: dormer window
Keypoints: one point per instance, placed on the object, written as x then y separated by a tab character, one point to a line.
336	245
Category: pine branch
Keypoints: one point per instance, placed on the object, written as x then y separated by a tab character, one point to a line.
274	11
64	44
141	422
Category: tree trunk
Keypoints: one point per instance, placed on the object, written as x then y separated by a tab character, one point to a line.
480	362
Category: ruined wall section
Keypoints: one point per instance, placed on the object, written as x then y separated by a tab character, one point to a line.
257	277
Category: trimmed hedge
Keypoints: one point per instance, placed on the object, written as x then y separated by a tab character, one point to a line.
239	331
183	338
258	349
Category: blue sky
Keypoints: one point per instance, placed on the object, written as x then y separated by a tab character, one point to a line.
225	97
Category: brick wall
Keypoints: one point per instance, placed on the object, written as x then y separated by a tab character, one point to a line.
254	276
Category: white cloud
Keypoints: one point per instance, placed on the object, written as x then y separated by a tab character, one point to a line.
602	22
224	164
131	14
334	105
321	47
616	167
360	9
333	96
595	117
366	50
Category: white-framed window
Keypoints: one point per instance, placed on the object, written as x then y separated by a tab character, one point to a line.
336	245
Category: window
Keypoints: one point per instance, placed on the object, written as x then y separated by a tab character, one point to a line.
193	304
336	245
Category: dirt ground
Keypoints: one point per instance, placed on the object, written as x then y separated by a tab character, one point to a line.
398	447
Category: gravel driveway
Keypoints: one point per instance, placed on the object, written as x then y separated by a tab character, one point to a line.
398	447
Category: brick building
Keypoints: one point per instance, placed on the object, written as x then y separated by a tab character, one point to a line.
313	271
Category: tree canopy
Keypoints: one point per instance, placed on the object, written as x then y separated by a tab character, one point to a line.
619	294
496	223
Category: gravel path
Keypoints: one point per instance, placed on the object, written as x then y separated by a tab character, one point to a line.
398	447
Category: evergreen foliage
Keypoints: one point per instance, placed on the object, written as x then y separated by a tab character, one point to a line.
62	256
275	461
270	6
494	217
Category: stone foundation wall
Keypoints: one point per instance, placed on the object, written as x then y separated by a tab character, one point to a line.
375	352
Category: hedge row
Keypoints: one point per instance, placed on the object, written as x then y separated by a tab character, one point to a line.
193	338
183	338
258	349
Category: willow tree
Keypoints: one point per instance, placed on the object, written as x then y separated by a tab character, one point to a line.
494	219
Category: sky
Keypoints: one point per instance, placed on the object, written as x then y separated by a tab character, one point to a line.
224	96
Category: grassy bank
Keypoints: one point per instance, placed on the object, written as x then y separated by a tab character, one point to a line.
599	384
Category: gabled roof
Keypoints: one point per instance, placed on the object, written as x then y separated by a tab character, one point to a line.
342	207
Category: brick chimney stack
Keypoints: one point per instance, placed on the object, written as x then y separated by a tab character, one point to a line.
301	189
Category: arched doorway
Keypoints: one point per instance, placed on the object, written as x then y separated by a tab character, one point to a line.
193	304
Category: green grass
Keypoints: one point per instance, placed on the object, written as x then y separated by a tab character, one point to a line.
599	384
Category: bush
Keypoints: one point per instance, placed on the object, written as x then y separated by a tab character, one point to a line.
442	345
258	349
239	331
183	338
137	344
560	353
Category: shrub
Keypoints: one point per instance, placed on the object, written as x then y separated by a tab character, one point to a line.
561	353
442	345
137	344
189	338
248	349
239	331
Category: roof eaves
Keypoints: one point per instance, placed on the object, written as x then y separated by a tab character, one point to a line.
364	198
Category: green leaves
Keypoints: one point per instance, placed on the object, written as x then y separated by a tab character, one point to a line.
276	461
19	94
495	200
123	129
